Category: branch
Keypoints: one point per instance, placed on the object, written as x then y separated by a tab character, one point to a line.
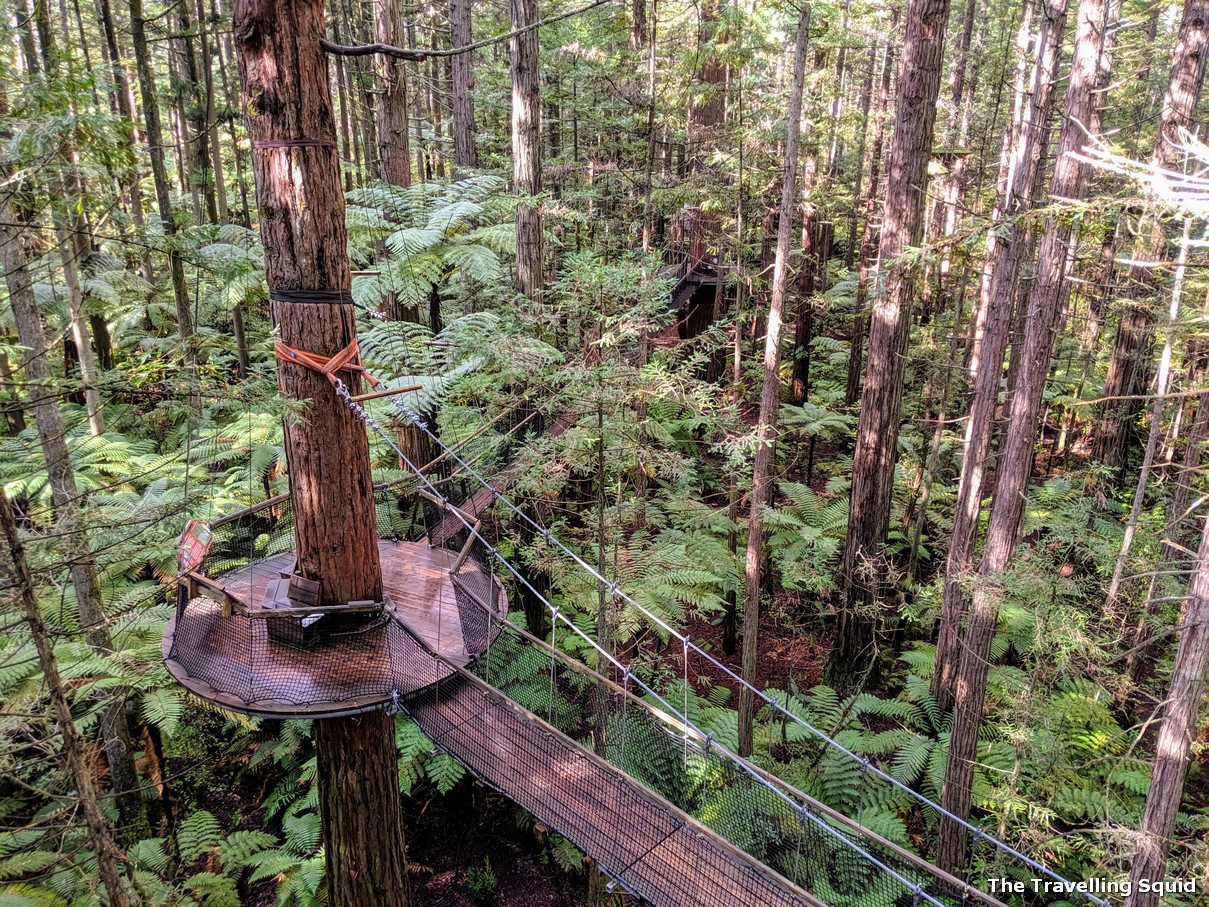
418	55
364	50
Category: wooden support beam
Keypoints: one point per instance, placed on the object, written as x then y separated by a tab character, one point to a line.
374	395
465	552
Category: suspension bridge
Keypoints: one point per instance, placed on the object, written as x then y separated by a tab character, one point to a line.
603	753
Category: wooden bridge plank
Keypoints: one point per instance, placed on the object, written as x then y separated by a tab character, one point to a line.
654	848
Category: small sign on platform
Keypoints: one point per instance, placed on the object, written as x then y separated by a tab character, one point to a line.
193	545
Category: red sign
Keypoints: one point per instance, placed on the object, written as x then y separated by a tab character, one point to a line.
193	545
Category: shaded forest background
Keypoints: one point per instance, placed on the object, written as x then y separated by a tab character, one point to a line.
929	469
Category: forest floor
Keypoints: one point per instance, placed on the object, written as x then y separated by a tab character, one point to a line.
472	847
790	653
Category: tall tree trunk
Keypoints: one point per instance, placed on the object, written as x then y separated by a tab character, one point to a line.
1112	597
852	390
16	574
866	102
770	391
881	400
288	104
65	499
1008	256
394	143
17	217
958	133
526	147
1180	708
1128	369
465	154
159	174
817	241
1016	449
195	125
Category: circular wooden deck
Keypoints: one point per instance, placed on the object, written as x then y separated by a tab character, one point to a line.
231	661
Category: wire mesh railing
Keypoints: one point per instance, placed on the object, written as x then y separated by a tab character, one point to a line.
647	738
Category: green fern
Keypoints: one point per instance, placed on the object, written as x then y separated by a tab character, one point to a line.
197	835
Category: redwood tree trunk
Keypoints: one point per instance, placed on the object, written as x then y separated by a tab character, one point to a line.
159	173
988	369
16	575
865	261
287	99
881	400
462	75
1016	449
394	143
526	146
1180	710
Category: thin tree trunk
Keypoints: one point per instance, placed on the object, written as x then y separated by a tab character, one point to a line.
284	76
987	364
128	131
17	576
770	391
210	140
854	652
866	102
65	499
1173	749
1112	599
526	147
69	252
960	115
856	347
1015	452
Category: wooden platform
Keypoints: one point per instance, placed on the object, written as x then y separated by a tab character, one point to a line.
232	662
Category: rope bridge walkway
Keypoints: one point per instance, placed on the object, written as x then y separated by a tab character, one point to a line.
599	753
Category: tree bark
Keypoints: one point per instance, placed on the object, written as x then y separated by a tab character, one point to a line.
1176	736
359	798
16	235
465	154
123	104
875	456
526	147
16	574
817	240
987	366
1016	449
770	391
1128	370
856	347
287	94
394	141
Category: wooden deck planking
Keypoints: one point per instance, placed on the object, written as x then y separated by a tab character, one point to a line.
658	851
246	671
